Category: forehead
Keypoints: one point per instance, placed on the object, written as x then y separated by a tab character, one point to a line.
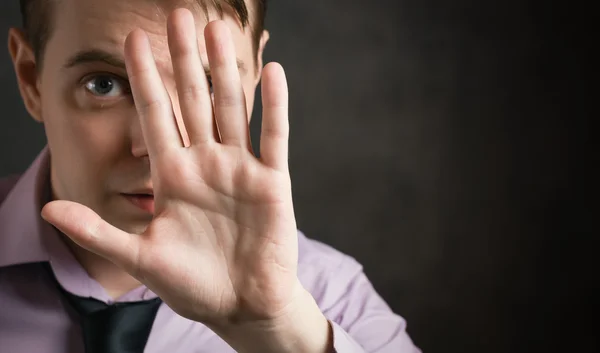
104	25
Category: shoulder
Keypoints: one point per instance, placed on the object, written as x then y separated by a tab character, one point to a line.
315	254
325	272
6	184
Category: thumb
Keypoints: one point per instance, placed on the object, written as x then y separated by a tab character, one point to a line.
86	228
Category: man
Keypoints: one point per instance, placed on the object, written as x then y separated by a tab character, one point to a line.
149	200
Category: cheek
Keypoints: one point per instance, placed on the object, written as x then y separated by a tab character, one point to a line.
249	92
89	141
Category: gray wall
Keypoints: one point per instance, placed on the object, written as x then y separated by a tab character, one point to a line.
442	144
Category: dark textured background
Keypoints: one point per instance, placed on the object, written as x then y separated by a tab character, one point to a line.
442	144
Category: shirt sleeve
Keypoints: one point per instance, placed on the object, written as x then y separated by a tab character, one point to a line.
361	320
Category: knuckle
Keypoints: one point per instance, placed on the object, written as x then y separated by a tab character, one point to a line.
227	100
150	106
275	133
182	50
193	92
138	72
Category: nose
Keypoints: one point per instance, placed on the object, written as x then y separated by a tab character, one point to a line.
138	143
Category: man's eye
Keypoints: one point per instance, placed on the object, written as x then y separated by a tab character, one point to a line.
105	86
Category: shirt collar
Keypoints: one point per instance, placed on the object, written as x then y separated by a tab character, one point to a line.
27	238
21	225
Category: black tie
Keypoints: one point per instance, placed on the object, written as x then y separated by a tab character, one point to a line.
116	328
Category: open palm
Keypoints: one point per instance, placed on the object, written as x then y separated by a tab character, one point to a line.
222	244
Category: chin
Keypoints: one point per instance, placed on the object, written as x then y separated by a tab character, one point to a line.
127	218
134	225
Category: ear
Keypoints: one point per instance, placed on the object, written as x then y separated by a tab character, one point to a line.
26	71
264	38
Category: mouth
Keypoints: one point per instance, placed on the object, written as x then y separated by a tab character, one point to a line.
145	202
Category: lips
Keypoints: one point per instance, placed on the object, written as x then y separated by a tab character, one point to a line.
143	201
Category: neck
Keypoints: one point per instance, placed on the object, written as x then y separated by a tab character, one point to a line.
113	279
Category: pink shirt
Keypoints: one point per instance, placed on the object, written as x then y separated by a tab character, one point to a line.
34	319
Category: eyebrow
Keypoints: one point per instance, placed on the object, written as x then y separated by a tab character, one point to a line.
95	56
101	56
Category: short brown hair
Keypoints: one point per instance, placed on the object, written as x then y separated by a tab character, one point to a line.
37	24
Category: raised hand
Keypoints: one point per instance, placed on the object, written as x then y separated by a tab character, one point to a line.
222	246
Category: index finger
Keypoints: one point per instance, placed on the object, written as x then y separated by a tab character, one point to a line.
152	101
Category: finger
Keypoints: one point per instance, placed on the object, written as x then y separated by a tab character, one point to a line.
185	139
275	130
91	232
192	85
150	95
230	102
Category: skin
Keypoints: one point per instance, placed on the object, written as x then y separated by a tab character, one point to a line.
219	245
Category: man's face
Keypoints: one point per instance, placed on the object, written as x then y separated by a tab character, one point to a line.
96	143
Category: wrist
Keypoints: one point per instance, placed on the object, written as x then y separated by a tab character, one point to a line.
303	329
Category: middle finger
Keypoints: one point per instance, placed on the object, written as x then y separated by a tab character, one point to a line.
230	103
192	85
151	98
